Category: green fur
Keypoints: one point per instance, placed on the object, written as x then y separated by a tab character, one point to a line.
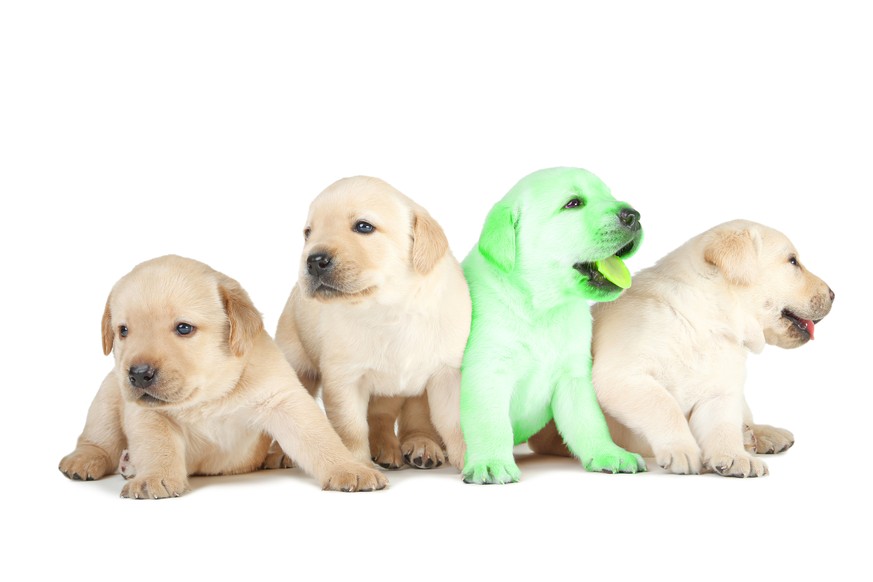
528	354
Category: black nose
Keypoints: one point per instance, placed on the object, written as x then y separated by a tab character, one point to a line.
630	218
317	264
142	375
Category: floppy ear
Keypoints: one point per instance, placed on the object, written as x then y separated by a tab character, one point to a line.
429	243
108	332
735	253
497	241
245	321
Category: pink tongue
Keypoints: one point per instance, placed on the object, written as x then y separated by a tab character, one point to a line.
810	327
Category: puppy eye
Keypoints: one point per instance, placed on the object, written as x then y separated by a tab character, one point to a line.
122	330
306	232
364	227
184	329
793	260
574	203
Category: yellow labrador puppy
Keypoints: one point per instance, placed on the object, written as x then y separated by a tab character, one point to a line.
381	308
669	354
199	388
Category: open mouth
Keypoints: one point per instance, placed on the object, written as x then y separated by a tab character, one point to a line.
609	272
805	326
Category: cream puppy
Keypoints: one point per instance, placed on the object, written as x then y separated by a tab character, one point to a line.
199	388
670	353
381	308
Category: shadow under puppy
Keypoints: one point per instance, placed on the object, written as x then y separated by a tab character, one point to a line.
669	354
199	388
379	316
555	241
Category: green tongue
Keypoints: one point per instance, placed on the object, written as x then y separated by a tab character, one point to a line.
615	271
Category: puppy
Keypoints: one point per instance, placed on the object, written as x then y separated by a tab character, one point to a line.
381	308
669	355
199	388
556	240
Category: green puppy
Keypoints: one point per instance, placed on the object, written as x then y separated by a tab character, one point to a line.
556	240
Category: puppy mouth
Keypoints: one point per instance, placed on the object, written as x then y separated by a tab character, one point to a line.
147	399
805	326
321	290
609	273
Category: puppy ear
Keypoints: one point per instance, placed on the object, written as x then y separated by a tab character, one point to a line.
497	241
735	253
245	321
108	332
429	243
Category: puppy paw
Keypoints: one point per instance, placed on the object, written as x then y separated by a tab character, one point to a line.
770	439
736	465
277	459
154	487
357	477
125	466
681	459
491	472
388	456
87	463
613	459
422	453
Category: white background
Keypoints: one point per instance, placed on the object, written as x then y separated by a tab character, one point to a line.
204	129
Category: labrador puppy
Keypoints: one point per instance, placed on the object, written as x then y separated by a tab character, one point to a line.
555	241
199	388
669	354
380	309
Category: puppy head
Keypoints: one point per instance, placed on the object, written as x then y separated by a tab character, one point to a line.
762	264
180	332
362	235
556	225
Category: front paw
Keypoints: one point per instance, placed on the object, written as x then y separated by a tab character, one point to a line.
770	439
736	465
154	487
613	459
86	463
491	472
388	456
679	458
354	477
277	458
422	453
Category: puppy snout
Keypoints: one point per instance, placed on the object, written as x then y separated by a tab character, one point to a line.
831	293
142	375
629	218
318	263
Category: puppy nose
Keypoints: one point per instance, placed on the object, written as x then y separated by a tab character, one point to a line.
630	218
142	375
317	264
831	291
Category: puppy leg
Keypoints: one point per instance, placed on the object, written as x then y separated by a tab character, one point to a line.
382	418
645	407
717	422
444	401
581	422
346	402
486	392
766	439
102	440
158	451
294	419
421	445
